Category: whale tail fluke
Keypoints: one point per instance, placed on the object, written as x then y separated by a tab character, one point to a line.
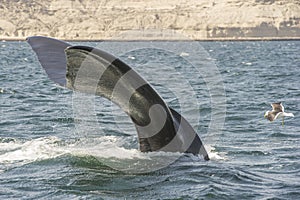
91	70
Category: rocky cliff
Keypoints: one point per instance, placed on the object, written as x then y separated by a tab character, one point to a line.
195	19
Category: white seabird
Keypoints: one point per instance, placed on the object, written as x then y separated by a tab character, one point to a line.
277	111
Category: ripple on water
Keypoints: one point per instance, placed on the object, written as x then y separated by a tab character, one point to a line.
257	159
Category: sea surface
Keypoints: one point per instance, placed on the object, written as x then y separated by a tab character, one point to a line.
53	147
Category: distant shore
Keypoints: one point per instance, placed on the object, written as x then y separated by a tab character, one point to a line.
87	20
164	39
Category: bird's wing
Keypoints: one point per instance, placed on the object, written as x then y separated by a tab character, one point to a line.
271	116
282	108
288	114
277	107
277	115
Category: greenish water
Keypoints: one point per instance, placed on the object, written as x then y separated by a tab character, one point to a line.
46	152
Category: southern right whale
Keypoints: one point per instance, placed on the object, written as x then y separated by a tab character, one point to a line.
90	70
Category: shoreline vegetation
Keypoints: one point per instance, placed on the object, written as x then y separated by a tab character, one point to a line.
151	20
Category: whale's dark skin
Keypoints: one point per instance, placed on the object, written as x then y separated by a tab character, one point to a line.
94	71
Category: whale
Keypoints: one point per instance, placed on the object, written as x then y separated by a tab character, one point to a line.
90	70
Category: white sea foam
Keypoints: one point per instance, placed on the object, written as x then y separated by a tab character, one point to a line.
51	147
16	153
104	147
213	155
108	149
131	57
247	63
184	54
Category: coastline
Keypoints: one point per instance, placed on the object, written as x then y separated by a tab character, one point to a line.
16	39
87	20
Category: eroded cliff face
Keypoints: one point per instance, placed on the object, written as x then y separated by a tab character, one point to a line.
97	20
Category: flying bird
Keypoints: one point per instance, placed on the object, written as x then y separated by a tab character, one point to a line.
277	111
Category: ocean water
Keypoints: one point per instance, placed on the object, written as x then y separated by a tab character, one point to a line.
52	147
